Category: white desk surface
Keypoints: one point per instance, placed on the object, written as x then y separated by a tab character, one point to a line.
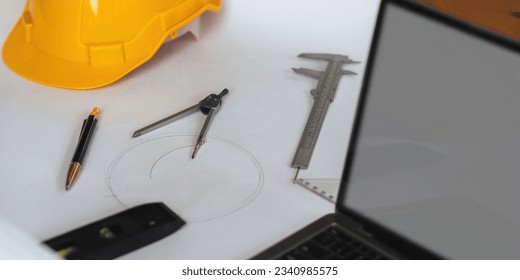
237	195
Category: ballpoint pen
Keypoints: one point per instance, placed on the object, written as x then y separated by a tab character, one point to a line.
207	106
87	130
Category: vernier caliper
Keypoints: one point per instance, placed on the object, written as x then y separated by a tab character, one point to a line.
323	95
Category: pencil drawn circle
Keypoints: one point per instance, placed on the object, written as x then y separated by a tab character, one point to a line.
221	179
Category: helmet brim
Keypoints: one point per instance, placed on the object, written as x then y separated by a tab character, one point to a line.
29	62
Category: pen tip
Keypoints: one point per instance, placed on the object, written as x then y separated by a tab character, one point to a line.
136	134
71	175
68	184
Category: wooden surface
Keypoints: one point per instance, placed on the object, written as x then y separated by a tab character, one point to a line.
501	16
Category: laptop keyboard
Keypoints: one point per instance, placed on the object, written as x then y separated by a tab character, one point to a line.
332	244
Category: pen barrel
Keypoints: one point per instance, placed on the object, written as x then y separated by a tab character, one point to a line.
84	139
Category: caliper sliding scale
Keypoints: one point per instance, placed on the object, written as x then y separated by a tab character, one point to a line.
323	95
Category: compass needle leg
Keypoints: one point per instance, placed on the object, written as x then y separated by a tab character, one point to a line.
202	135
208	106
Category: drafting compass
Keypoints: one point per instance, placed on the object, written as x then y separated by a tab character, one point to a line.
323	95
208	106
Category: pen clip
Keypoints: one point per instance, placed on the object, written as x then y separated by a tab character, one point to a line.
82	129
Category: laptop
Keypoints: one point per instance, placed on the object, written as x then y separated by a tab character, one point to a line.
433	166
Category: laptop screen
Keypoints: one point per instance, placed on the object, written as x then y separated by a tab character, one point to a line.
438	147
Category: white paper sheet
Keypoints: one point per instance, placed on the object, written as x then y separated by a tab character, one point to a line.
237	194
16	244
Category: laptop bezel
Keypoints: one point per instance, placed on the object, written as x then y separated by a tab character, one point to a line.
378	232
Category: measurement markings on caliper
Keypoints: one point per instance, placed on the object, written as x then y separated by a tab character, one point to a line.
323	95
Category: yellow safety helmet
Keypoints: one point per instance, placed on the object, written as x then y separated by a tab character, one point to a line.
83	44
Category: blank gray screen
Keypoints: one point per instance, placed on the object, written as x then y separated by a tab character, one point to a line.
438	154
